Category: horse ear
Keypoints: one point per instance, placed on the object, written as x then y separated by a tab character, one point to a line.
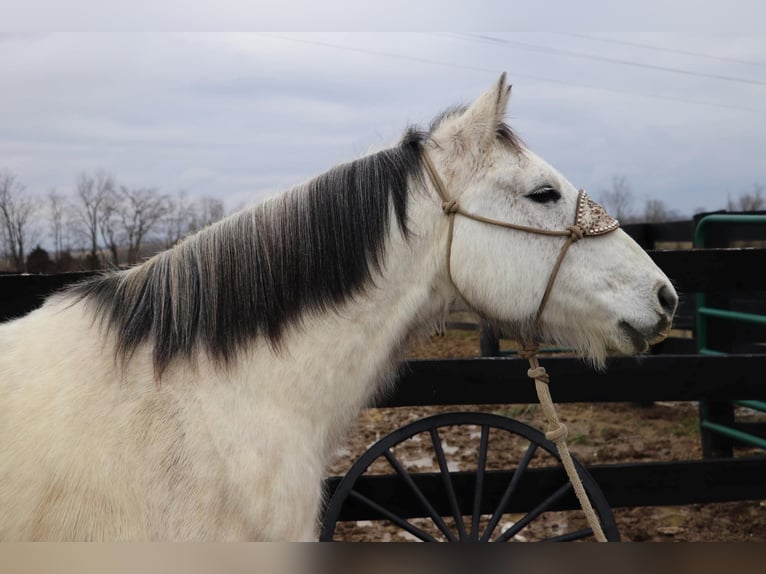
479	123
503	96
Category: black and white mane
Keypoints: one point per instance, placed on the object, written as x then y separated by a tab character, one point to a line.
262	269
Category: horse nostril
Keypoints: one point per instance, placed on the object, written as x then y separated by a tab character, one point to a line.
668	299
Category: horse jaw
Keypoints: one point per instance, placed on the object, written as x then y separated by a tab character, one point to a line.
610	299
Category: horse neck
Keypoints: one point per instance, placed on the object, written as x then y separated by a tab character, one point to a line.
335	362
410	292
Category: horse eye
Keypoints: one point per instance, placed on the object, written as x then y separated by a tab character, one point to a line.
544	194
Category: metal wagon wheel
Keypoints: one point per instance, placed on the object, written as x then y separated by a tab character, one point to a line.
481	505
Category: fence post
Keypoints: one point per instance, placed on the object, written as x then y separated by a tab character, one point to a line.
489	340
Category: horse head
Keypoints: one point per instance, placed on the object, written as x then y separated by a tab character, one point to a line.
529	252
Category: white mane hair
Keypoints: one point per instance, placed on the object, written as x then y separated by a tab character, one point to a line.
202	394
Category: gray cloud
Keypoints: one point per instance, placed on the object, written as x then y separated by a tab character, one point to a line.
241	116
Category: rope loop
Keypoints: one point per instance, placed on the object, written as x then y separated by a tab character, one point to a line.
527	351
450	207
575	232
557	433
539	374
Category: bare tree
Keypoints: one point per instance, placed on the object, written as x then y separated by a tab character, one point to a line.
753	201
179	218
57	211
184	216
209	210
108	225
16	208
619	199
93	193
141	210
655	210
73	236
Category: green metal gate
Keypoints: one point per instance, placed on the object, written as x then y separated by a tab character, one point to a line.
718	418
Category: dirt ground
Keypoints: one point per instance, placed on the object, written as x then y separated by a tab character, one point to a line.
598	434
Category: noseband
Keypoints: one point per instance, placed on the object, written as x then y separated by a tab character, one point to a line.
590	220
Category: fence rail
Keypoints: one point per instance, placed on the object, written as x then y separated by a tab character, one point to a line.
503	380
730	274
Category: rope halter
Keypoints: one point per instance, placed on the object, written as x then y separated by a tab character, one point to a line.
590	220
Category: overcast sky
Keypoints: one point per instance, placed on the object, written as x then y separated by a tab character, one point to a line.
242	116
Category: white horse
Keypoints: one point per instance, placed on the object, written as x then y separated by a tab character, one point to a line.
200	395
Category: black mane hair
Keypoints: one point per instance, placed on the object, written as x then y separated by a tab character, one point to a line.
265	268
260	270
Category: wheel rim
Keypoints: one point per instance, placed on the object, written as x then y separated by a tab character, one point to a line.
465	506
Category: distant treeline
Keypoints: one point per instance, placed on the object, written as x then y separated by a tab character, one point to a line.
99	224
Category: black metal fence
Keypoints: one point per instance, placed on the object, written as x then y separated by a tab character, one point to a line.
674	372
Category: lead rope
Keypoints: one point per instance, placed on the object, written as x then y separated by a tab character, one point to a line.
557	431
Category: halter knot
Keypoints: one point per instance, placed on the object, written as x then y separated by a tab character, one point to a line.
527	351
575	232
557	433
539	374
450	207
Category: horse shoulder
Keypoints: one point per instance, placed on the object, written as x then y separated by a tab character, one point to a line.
61	430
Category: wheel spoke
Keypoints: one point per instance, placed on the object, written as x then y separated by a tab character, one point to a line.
446	494
398	520
433	513
447	479
535	512
479	488
570	536
519	472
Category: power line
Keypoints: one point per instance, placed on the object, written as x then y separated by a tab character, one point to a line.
421	60
572	54
663	49
379	53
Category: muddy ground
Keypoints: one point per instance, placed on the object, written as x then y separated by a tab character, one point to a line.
598	434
